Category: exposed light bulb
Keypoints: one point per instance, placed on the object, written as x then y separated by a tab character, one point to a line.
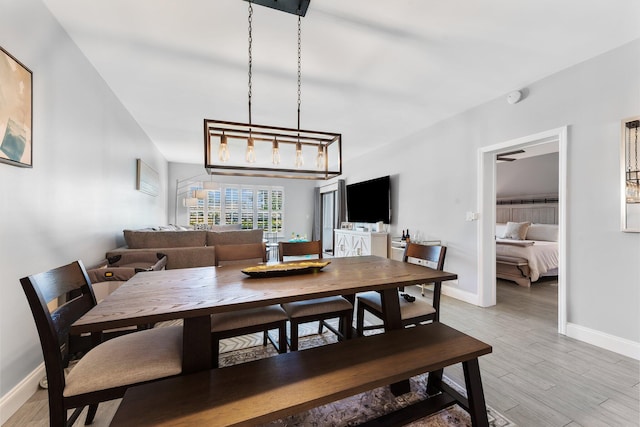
223	150
320	158
275	155
299	159
251	151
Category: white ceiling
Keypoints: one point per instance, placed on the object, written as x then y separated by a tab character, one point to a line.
374	70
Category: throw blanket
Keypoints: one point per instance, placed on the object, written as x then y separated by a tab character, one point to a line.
521	243
541	256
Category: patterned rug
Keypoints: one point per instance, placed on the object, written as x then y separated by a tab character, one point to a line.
355	409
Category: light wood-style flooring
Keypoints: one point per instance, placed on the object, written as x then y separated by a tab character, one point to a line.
534	376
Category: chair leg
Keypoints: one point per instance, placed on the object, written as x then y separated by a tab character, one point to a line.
215	350
265	337
67	423
282	338
294	336
348	325
91	414
360	320
320	327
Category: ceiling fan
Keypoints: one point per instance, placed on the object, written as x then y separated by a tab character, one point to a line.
508	159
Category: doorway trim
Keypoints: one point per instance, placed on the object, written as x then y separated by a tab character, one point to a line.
486	225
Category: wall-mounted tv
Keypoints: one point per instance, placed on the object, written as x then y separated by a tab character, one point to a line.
369	201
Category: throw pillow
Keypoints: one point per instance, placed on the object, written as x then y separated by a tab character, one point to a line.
516	230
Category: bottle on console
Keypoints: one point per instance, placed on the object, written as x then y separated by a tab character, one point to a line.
407	238
403	238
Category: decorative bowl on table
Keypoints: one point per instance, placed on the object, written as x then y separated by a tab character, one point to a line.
285	268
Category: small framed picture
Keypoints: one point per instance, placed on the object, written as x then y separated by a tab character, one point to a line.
16	101
147	179
346	226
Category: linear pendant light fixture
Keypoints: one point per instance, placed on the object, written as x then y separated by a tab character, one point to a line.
247	149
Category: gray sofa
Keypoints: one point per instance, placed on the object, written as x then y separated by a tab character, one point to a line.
185	248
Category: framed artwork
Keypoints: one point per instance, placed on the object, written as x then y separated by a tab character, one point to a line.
147	179
346	226
630	174
16	112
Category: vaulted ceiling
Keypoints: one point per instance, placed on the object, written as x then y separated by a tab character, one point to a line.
374	70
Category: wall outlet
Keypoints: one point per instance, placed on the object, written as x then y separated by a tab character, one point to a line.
472	216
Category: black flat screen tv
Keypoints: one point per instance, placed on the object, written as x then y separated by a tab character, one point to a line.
369	201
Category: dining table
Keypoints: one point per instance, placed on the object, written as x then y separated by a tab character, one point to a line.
194	294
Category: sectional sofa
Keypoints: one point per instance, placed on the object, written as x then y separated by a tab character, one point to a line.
185	248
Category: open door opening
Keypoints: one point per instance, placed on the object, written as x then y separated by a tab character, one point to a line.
487	205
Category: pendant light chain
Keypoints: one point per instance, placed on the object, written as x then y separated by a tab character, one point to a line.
299	67
250	56
231	135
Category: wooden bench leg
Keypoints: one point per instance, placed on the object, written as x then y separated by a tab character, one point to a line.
392	320
475	394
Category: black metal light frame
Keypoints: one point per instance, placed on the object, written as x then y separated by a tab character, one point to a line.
287	138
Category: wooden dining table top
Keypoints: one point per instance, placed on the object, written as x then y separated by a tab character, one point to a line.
156	296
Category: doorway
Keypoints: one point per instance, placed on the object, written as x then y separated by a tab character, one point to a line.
329	216
487	202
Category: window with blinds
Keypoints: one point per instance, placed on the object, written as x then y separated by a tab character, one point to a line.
254	207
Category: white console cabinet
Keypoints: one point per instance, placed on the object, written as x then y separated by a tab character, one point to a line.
360	243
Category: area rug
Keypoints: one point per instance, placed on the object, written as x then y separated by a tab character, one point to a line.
365	406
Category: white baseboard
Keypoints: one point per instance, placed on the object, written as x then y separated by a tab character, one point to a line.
17	396
609	342
459	294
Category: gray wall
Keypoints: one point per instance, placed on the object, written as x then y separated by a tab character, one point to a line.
80	193
435	171
532	176
298	195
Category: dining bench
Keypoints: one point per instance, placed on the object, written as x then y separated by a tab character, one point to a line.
268	389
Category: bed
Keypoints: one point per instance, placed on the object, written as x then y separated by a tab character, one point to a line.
525	252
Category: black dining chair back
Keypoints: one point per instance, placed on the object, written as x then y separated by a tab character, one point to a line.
56	286
246	252
313	247
433	254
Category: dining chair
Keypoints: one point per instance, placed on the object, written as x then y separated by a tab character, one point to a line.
109	368
412	311
248	321
319	309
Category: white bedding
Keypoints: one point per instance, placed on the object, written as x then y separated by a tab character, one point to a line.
541	255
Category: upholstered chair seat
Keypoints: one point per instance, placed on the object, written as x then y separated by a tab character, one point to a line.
316	306
247	318
129	359
408	310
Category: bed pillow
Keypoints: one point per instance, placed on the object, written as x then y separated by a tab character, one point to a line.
548	232
516	230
